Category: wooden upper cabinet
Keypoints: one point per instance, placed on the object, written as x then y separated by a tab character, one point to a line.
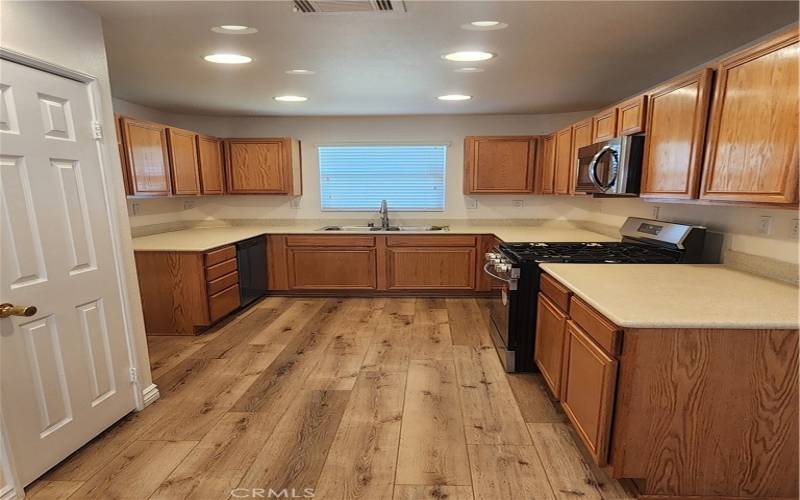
676	124
499	164
147	159
631	116
123	160
547	170
751	155
604	125
563	163
183	161
209	155
581	136
263	166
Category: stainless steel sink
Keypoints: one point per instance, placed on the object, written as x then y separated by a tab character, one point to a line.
418	229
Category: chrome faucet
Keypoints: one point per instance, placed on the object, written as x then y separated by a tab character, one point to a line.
384	212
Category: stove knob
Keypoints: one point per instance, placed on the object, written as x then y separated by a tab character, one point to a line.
492	256
503	267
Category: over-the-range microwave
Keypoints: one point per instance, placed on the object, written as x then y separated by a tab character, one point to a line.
611	167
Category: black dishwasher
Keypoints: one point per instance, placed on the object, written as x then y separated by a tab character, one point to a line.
251	256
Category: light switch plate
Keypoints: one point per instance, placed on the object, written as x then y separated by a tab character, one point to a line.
517	203
655	212
764	225
135	208
295	202
188	204
471	203
795	228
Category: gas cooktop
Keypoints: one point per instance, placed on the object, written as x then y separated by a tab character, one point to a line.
611	252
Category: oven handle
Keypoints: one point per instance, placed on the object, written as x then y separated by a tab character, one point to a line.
512	283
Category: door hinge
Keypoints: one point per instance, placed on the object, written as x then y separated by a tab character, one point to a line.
134	379
97	130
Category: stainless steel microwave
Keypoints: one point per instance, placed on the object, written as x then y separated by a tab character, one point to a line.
611	167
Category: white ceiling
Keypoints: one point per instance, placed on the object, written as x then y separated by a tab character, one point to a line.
554	56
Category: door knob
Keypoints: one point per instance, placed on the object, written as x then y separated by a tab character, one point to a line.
7	310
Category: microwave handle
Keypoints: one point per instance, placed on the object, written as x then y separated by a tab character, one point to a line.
593	169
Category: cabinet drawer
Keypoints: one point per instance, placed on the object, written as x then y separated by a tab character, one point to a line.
555	291
589	391
330	241
222	283
447	240
220	255
223	303
221	269
602	331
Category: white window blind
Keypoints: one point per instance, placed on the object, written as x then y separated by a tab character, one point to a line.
408	177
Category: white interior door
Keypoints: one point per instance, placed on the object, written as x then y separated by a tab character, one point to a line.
64	372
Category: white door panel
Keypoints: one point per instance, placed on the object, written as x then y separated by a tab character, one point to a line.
65	371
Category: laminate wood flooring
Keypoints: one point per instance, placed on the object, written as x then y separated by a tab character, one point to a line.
325	398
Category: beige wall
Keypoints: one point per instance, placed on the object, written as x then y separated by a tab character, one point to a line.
68	35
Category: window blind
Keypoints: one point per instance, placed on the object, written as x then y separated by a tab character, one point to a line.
408	177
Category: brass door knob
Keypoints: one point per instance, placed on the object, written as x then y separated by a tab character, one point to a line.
7	310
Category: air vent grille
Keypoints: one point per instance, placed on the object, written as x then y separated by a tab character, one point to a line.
340	6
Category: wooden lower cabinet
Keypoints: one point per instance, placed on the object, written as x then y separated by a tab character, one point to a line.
590	376
683	412
331	268
430	268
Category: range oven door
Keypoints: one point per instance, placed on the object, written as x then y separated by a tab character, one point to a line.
504	290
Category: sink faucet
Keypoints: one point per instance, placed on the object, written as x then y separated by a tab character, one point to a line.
384	211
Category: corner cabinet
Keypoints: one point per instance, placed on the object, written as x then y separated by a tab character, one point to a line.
751	154
147	161
211	161
501	164
676	125
183	163
263	166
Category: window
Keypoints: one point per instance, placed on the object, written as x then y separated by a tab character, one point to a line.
408	177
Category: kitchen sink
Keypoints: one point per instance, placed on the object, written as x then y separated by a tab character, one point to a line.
418	229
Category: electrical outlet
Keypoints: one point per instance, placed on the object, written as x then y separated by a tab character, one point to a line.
517	203
295	202
764	225
188	204
135	207
795	228
471	203
655	212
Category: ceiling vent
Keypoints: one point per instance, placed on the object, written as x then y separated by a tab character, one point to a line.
343	6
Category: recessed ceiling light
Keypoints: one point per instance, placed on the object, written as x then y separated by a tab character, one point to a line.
290	98
484	26
454	97
468	69
300	72
468	56
233	29
228	58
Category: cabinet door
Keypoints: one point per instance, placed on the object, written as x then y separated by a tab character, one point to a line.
551	325
148	164
548	169
183	161
499	164
410	268
259	166
331	268
562	180
676	124
123	160
209	155
631	115
604	125
588	393
752	145
581	136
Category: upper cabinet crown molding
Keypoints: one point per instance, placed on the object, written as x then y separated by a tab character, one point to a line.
263	166
147	161
751	155
184	168
499	164
676	126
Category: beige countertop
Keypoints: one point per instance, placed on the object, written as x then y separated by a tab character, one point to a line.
681	295
202	239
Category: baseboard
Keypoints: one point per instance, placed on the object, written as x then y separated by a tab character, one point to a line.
149	396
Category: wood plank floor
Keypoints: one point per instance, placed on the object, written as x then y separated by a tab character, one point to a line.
385	398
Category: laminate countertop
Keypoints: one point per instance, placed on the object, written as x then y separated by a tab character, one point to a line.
681	295
202	239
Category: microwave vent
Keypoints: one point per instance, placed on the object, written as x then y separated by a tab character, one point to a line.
344	6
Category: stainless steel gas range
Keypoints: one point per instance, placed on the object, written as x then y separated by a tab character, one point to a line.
515	268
